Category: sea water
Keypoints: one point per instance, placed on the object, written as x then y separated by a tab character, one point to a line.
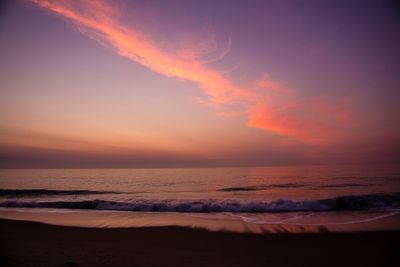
252	199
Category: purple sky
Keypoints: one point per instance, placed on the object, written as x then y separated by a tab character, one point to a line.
198	83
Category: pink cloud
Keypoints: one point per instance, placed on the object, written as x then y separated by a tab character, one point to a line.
313	120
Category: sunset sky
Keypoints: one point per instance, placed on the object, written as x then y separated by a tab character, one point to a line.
198	83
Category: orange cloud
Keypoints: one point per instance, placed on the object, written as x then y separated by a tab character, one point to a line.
313	120
100	21
267	104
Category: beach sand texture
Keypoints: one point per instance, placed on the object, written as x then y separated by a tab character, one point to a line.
35	244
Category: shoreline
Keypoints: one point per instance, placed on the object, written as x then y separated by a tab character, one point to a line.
260	223
25	243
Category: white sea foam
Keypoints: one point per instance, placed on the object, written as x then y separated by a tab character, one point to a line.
301	222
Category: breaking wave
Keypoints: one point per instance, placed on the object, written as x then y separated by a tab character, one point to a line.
361	202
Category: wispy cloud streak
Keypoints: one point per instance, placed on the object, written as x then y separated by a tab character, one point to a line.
269	105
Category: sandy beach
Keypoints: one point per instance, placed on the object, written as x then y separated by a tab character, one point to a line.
36	244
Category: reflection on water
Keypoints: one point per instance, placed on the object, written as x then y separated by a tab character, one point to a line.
252	183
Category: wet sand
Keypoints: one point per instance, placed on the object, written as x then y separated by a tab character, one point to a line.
25	243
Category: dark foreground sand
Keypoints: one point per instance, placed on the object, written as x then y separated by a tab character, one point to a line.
34	244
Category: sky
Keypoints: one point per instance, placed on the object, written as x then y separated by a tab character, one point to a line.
198	83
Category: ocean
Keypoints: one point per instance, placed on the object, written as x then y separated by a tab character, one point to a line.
245	199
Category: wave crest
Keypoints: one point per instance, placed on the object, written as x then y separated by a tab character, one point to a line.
361	202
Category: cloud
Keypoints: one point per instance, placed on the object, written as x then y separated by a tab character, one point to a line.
100	21
312	120
223	54
269	105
